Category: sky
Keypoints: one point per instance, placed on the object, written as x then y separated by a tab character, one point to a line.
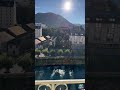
74	12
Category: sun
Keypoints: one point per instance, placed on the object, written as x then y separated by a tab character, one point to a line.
67	6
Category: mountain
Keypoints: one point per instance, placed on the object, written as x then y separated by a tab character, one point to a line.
52	20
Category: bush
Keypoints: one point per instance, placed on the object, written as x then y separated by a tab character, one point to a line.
60	52
37	51
6	61
67	52
45	51
52	52
26	61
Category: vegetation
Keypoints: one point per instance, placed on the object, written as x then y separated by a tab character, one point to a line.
67	52
25	61
45	51
5	61
37	51
52	52
60	52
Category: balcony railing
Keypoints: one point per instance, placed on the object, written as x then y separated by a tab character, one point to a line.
59	84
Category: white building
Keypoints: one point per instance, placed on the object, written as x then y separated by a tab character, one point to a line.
38	29
77	39
7	14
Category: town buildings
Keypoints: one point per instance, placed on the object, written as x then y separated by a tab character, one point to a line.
17	40
77	41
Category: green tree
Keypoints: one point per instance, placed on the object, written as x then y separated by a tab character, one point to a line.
26	62
52	52
6	61
45	51
60	52
37	51
67	52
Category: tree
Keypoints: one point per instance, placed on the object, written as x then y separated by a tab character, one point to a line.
37	51
52	52
6	61
67	52
2	57
26	62
60	52
45	51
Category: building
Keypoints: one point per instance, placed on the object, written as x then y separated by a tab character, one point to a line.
102	35
17	40
37	43
77	39
7	14
4	39
38	29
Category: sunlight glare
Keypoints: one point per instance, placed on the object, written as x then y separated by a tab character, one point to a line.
67	6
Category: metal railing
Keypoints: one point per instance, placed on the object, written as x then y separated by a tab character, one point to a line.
55	84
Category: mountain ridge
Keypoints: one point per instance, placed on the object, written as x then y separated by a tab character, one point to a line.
52	19
55	20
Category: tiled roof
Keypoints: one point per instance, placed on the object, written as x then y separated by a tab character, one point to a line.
17	30
5	37
37	41
42	38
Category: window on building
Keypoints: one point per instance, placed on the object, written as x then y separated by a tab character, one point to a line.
110	40
113	25
97	19
98	24
112	19
110	35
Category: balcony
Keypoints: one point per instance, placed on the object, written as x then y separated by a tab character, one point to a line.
59	84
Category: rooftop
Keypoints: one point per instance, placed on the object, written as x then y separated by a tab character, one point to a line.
37	41
5	37
17	30
31	25
42	38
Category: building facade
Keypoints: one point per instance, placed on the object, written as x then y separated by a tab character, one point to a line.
7	14
102	35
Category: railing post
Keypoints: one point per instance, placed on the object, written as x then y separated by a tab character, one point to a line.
53	87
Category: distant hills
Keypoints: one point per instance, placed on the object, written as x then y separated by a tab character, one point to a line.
52	20
55	20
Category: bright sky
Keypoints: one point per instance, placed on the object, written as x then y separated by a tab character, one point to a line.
72	10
